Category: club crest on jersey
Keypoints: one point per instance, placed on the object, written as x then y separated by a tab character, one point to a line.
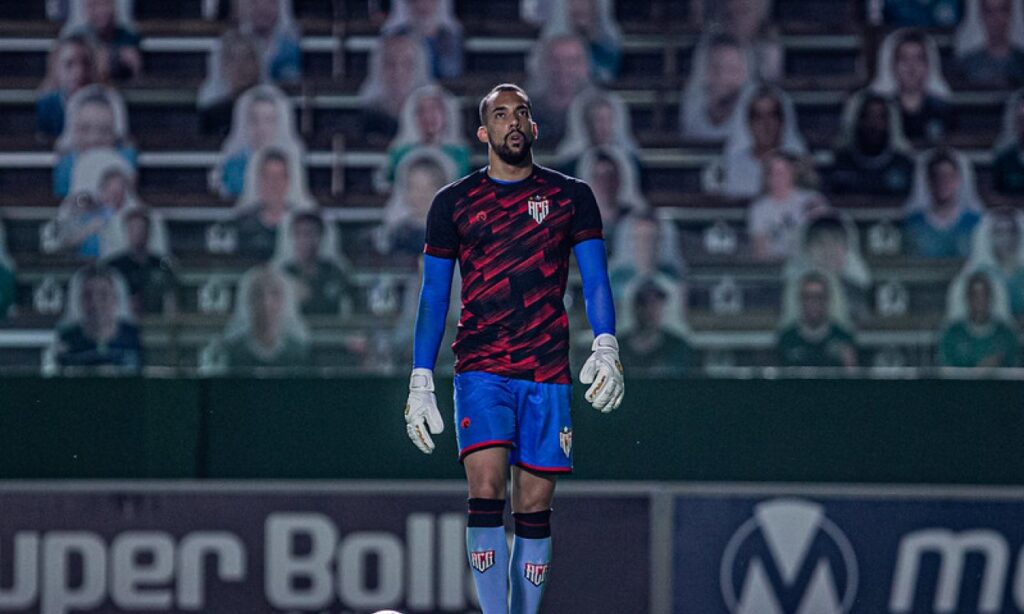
565	440
481	560
536	573
538	208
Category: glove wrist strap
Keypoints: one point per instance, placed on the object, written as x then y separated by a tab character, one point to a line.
421	380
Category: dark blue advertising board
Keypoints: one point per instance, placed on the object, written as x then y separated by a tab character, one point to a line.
844	551
231	549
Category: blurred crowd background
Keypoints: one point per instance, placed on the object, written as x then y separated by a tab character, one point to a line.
221	185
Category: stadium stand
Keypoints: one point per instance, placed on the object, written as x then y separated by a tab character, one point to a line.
733	302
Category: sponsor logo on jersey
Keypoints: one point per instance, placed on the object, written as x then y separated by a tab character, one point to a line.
536	573
538	208
565	440
481	560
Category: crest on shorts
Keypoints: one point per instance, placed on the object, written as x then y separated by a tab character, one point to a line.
481	560
565	440
536	573
538	208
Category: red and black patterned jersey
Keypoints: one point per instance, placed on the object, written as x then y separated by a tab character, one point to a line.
513	241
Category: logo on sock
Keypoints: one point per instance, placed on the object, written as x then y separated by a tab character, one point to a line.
481	560
536	573
565	440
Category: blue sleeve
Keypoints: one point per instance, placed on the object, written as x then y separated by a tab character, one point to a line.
433	310
597	291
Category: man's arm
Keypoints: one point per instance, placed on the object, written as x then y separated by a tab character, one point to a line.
421	414
603	369
433	310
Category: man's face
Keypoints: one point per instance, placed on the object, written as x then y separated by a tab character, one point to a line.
266	303
430	117
241	67
399	63
827	250
114	190
262	123
94	126
1005	237
509	128
979	301
273	182
726	72
813	303
264	14
911	66
601	123
646	240
98	301
945	183
100	14
583	14
567	65
649	310
766	122
873	127
605	183
73	67
137	229
995	15
306	234
423	10
420	187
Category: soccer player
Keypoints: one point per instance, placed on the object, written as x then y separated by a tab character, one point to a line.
511	226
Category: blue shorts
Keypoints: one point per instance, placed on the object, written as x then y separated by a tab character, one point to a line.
530	418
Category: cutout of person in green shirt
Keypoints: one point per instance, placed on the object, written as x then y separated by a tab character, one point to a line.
814	333
978	333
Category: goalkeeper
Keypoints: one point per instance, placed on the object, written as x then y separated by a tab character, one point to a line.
511	226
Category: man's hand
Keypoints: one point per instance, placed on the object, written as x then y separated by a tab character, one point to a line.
604	371
421	410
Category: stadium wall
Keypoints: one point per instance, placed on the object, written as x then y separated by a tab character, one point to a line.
785	430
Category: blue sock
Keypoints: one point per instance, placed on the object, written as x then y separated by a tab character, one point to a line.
488	553
531	561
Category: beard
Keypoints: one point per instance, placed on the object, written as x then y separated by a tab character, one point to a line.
511	156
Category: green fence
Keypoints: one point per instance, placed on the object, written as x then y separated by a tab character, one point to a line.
852	431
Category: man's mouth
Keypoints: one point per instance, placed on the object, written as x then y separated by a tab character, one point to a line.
515	138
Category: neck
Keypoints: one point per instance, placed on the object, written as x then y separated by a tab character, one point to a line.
272	214
998	48
912	100
503	171
266	337
102	331
944	209
139	253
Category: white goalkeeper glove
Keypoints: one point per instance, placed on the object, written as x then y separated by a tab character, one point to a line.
421	410
604	372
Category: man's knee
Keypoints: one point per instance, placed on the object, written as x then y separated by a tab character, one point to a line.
487	473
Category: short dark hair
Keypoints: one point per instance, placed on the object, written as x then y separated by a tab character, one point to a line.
137	213
815	277
497	89
311	217
979	277
942	156
274	154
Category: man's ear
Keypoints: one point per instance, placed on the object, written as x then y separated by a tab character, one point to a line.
533	128
481	135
